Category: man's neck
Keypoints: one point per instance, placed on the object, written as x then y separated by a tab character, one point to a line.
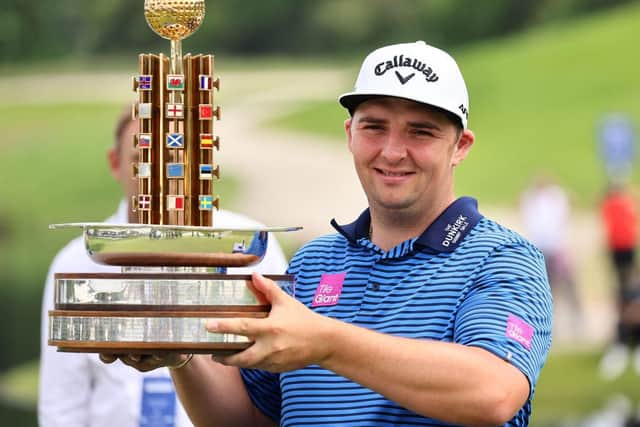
389	228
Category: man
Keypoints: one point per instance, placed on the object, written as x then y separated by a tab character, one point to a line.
620	221
545	210
421	312
79	390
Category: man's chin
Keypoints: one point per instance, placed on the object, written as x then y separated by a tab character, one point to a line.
396	205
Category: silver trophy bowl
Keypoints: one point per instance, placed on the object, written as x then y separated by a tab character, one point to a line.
148	245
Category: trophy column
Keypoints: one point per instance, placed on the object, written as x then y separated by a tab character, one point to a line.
176	142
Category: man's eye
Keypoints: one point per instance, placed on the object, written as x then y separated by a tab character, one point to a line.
422	132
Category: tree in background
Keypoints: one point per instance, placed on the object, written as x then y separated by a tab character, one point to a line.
31	29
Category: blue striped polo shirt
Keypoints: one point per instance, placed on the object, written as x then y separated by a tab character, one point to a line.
465	280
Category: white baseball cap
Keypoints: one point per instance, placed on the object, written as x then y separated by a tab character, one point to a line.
413	71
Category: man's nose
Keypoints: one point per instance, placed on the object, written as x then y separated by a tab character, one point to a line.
394	148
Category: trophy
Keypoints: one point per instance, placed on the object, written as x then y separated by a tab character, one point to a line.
173	260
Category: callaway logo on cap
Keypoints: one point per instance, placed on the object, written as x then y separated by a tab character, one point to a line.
414	71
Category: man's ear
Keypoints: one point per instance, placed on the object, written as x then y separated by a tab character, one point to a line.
347	129
114	162
462	147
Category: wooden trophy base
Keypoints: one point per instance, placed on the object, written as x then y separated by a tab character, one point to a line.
137	313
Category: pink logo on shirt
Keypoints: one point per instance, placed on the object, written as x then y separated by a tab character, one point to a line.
329	290
519	330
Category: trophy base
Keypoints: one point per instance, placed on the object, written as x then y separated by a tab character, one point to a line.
151	348
143	332
137	313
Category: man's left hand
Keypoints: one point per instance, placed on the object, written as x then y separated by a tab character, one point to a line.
288	339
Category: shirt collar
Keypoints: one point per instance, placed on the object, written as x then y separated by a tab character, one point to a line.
443	235
121	216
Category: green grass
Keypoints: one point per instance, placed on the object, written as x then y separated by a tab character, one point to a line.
19	386
324	118
568	388
535	101
54	169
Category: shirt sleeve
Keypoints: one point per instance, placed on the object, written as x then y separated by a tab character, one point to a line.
508	309
264	390
274	261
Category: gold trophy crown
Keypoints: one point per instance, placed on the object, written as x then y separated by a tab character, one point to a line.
174	19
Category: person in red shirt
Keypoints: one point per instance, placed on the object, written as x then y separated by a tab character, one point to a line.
620	219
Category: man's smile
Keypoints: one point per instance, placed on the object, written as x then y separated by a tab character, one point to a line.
393	175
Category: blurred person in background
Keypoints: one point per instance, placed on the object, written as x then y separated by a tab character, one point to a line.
420	312
619	215
545	210
77	389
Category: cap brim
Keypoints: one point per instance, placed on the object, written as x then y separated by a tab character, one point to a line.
351	100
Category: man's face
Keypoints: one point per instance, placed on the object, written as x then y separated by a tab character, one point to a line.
121	161
404	153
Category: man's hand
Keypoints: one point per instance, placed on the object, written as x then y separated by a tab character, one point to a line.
147	362
290	338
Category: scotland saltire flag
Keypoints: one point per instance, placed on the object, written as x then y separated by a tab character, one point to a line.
175	140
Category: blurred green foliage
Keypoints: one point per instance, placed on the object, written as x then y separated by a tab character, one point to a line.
33	29
84	130
569	387
20	385
536	99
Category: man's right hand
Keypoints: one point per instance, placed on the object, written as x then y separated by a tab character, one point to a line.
148	362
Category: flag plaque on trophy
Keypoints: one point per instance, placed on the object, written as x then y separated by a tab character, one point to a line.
173	259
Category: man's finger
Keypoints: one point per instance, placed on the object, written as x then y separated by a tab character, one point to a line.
134	358
260	297
239	326
129	360
243	359
107	358
266	287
